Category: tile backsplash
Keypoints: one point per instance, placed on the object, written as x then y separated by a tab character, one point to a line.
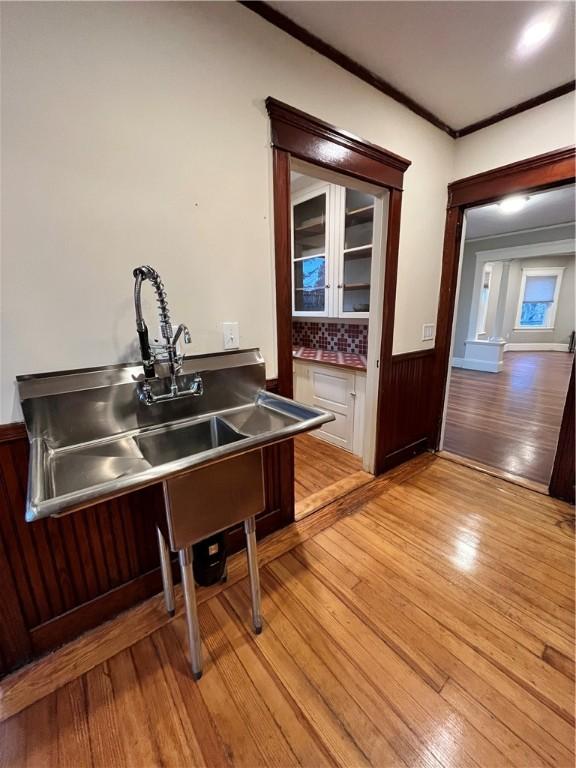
332	336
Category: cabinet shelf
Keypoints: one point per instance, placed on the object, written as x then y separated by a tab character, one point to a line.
355	286
360	252
310	290
315	226
360	215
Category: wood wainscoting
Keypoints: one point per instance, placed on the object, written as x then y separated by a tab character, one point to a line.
62	576
406	413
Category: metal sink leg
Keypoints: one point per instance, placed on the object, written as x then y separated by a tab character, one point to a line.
166	567
250	530
189	588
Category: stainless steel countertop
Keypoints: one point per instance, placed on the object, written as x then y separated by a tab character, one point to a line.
92	439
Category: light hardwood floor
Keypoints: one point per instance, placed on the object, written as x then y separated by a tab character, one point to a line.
318	464
426	619
323	473
510	420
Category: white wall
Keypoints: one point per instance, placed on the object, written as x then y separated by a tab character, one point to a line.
136	133
542	129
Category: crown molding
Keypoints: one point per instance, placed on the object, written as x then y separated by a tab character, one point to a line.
316	43
526	231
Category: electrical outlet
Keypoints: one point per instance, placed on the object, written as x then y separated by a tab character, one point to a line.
231	335
428	330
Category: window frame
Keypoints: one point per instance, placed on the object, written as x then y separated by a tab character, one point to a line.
556	272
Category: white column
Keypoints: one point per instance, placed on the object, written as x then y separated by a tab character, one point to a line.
500	313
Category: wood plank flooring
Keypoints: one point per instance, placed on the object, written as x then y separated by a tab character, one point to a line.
510	420
426	620
318	464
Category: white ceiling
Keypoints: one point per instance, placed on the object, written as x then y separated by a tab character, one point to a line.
460	60
545	209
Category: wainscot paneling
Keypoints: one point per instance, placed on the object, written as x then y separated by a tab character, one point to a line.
405	414
62	576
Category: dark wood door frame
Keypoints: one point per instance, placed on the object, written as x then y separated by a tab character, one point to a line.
302	136
542	172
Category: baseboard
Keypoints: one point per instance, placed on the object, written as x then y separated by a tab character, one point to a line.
404	454
545	346
477	365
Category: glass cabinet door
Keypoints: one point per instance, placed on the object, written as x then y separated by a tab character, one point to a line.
356	253
309	255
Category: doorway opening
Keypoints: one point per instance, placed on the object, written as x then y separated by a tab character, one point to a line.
513	335
337	252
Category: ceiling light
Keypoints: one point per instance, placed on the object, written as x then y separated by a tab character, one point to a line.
536	32
512	204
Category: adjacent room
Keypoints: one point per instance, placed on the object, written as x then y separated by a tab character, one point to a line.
513	347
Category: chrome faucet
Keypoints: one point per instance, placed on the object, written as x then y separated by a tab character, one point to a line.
164	352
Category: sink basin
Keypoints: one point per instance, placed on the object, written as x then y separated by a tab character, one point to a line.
91	438
178	441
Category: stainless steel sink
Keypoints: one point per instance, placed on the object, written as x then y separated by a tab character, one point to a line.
92	438
180	440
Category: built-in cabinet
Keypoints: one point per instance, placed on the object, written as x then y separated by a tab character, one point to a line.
340	391
332	242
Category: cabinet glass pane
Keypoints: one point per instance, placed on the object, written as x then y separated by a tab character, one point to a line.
310	227
309	284
359	219
357	257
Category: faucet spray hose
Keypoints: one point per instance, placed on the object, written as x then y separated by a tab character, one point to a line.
146	272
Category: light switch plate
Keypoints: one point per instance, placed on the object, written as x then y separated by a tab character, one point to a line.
231	335
428	331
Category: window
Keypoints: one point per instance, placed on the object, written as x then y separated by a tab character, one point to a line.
539	292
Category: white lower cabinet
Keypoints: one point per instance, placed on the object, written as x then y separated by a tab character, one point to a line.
340	391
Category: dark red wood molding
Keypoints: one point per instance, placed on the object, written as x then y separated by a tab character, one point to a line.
13	431
380	84
523	106
535	173
414	355
325	49
283	269
563	475
539	172
316	141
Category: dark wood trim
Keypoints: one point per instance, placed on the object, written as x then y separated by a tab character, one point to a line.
562	480
316	43
539	172
414	355
523	106
49	635
535	173
272	385
405	454
325	49
283	271
308	138
14	431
